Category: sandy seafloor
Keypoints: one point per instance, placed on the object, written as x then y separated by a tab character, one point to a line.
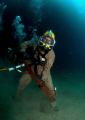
33	104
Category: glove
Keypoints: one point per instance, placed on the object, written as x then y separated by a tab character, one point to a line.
44	76
43	82
42	79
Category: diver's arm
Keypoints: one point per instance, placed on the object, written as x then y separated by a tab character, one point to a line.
48	66
26	44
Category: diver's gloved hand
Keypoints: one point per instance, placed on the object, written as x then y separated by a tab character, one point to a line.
43	79
43	82
44	76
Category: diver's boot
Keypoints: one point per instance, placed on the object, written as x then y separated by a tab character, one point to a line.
54	106
18	96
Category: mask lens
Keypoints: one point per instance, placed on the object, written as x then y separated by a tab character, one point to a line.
49	41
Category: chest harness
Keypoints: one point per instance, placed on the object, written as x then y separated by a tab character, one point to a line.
37	61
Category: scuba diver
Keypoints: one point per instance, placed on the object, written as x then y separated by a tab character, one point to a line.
42	56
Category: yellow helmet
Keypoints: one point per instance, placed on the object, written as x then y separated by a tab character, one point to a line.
50	34
44	40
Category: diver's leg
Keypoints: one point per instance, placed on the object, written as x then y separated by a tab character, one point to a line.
23	82
50	86
49	83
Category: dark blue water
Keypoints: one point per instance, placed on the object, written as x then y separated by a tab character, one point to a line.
63	17
66	18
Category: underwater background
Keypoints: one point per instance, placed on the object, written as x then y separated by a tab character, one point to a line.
66	18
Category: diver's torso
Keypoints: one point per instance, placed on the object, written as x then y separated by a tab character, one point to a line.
38	54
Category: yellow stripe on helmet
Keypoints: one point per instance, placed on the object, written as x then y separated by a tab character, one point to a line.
49	33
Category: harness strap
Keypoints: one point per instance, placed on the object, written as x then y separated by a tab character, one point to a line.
37	61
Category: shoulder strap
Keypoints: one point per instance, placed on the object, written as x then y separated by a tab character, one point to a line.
43	55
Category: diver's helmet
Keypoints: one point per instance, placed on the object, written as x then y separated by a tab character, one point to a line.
47	41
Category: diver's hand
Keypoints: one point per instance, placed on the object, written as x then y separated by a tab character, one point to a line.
42	79
44	76
42	82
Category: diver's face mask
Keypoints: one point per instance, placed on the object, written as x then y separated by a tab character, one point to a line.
47	40
46	43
